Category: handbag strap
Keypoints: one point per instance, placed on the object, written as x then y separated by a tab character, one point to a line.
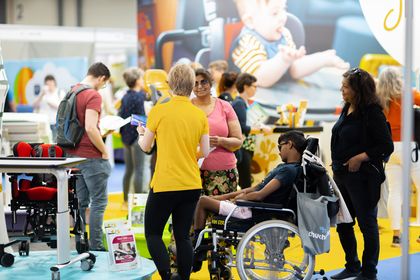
415	153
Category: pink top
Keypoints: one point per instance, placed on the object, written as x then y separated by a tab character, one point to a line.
220	158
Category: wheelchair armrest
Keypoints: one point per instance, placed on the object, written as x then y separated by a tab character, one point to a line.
258	205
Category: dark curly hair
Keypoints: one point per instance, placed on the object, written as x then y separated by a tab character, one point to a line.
364	88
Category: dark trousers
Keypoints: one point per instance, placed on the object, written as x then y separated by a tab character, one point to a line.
244	168
353	186
159	206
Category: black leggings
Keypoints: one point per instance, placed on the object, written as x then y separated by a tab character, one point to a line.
181	204
244	169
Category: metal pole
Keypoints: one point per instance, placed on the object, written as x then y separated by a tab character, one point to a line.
60	12
3	11
407	121
79	12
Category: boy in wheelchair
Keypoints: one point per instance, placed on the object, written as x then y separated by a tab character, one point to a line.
275	189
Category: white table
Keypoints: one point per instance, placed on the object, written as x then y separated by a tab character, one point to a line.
57	167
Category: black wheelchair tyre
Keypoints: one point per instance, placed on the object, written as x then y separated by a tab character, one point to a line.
282	239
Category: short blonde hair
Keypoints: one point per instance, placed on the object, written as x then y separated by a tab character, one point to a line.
220	65
389	86
131	75
246	6
181	79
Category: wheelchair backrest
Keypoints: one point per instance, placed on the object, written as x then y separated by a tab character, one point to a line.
314	177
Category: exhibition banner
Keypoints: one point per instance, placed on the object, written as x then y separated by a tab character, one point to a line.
26	77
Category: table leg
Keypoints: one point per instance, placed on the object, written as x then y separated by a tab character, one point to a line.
63	224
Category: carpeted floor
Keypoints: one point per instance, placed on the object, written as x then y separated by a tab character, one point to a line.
389	257
37	266
389	265
388	268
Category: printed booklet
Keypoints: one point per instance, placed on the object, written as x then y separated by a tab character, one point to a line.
122	252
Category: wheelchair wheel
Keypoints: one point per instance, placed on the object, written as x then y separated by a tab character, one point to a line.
273	250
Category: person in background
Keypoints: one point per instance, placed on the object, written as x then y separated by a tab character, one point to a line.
48	100
390	88
216	69
179	128
360	142
226	86
132	103
246	84
218	171
91	187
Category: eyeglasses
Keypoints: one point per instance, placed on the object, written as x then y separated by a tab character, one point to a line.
203	83
281	144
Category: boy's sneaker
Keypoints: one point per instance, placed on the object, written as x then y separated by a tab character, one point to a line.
396	242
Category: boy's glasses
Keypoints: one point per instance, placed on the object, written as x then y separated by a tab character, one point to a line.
203	83
281	144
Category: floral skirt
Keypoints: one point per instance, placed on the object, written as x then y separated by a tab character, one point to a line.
219	182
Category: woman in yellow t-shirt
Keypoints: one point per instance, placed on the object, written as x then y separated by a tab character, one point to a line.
179	128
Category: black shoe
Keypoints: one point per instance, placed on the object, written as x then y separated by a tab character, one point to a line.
396	242
197	265
361	277
346	273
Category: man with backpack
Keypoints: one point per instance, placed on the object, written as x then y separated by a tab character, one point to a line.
85	100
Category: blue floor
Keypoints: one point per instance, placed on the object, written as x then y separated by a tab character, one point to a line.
115	180
37	266
390	269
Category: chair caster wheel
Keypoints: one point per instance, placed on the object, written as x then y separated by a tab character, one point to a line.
88	263
24	248
55	273
7	260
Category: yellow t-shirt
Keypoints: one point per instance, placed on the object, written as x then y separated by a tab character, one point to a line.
178	126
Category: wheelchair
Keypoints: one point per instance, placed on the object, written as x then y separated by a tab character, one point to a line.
266	246
36	194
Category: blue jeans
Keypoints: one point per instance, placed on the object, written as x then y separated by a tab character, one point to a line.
91	189
134	160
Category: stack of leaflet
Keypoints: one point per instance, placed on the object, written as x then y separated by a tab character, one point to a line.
28	127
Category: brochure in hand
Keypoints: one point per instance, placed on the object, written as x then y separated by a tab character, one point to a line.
138	119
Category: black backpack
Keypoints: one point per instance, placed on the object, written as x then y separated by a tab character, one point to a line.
69	129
